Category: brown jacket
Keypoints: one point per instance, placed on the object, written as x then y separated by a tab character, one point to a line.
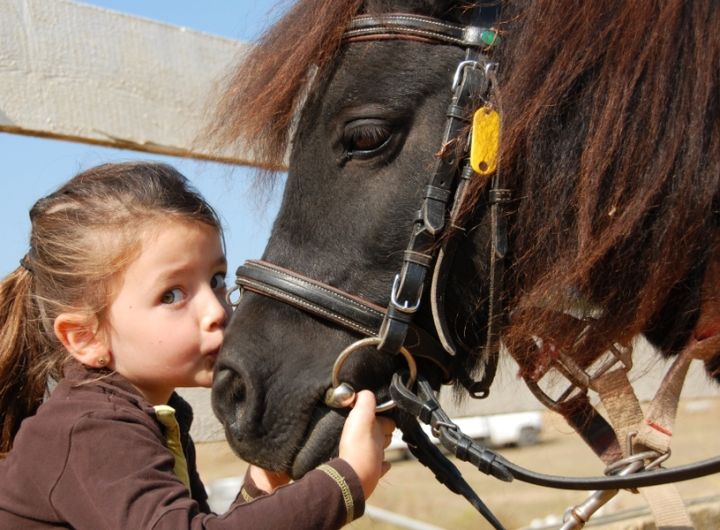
94	458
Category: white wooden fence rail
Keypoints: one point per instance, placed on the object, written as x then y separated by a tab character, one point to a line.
82	73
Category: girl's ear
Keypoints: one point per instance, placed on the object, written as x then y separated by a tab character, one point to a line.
78	333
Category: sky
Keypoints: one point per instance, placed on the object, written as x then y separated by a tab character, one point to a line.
32	167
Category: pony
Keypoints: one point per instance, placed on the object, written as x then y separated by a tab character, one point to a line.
608	148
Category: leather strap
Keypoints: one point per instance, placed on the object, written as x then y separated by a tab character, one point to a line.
424	405
443	264
430	223
446	473
309	295
395	25
332	304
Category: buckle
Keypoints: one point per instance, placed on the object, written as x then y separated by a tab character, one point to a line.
579	379
405	306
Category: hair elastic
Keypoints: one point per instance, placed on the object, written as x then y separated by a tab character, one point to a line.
25	263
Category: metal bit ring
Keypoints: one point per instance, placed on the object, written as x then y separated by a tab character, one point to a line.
342	394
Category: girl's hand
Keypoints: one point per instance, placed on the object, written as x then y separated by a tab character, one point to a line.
363	439
267	480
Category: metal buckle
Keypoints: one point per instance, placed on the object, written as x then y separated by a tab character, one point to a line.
575	518
491	69
459	70
580	380
405	307
616	468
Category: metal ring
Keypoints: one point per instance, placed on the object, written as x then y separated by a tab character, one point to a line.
373	341
435	428
229	293
619	465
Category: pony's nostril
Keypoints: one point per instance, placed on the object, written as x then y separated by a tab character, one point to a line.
237	391
229	396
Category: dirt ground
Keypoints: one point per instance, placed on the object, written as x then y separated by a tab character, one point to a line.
410	489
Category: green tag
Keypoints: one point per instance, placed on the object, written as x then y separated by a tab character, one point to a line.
490	37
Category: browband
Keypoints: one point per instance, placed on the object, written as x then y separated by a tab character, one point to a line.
394	25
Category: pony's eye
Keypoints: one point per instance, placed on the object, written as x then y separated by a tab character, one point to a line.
366	138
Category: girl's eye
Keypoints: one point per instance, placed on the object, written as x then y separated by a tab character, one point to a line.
173	296
365	138
218	281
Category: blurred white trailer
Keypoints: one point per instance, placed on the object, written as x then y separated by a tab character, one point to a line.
515	428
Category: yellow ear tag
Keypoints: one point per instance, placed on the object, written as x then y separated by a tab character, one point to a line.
485	140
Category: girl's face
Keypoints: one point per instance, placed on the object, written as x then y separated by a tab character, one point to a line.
166	323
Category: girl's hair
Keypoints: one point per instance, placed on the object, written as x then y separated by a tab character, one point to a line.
83	236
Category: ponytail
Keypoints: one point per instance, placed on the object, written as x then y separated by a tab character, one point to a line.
23	371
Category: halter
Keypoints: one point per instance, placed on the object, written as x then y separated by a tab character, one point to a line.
426	262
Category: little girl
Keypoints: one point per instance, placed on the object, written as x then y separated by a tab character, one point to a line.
121	299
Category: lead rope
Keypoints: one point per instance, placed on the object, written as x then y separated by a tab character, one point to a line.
422	403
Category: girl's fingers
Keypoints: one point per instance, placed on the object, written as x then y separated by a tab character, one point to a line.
364	411
364	405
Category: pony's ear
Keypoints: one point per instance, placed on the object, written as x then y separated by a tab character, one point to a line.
78	333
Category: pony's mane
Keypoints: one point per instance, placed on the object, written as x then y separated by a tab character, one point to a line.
611	142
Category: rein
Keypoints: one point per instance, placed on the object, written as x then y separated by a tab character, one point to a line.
426	262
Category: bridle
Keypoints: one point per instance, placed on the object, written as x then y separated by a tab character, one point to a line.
428	255
421	279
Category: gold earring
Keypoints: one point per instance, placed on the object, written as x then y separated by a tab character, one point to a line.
102	361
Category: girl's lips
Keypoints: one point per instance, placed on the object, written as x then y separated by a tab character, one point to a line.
212	353
210	358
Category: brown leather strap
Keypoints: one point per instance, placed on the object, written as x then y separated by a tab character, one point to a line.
427	29
323	300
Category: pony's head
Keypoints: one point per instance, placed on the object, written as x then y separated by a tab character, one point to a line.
609	145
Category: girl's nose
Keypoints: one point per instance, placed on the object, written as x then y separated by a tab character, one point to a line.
216	312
